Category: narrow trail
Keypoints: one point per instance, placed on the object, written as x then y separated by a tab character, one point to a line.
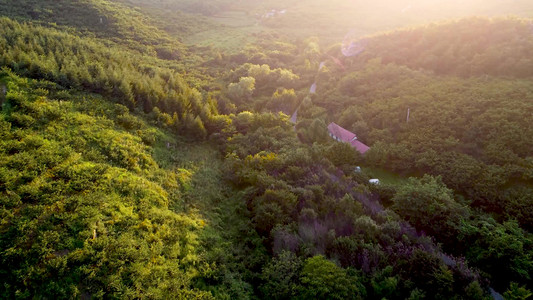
225	239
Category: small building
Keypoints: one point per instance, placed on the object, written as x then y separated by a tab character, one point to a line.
342	135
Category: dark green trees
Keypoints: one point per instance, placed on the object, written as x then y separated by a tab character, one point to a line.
322	279
429	205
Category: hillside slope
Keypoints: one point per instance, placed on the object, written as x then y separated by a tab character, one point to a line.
102	19
469	103
469	106
130	170
86	210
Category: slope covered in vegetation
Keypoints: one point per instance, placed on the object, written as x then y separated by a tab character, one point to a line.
101	19
85	207
469	101
469	106
87	64
132	166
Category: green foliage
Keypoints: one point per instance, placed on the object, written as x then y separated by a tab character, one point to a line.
283	100
516	292
95	202
85	63
242	91
267	80
427	204
273	208
504	251
342	154
301	203
475	291
103	19
313	131
85	208
441	48
322	279
465	98
281	277
168	16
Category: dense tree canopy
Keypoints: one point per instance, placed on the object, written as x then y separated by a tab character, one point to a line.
87	220
133	166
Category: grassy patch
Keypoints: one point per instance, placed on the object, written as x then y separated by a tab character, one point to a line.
384	176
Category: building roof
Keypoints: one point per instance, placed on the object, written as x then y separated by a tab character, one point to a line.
362	148
341	133
348	137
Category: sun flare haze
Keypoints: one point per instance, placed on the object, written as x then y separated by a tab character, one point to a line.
266	149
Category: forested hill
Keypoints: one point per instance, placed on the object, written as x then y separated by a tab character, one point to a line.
469	109
103	165
87	211
132	166
136	81
469	98
467	47
452	100
102	19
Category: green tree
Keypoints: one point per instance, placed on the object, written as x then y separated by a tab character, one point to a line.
322	279
516	292
281	276
342	154
242	91
283	100
429	205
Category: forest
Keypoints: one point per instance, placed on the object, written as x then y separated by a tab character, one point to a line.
144	156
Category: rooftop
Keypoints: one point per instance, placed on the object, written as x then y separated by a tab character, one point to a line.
341	133
348	137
